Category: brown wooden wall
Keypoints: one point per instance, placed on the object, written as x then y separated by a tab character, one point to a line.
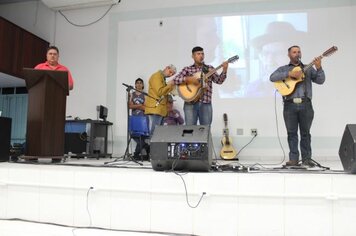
19	48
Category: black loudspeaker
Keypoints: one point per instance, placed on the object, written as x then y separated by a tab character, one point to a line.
347	151
181	147
75	143
5	136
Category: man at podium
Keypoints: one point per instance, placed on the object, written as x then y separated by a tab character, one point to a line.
52	57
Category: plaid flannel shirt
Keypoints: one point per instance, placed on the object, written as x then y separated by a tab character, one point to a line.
191	70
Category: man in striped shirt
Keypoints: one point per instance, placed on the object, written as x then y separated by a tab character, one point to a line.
200	110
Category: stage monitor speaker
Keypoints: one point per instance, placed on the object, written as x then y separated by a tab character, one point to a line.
347	151
181	147
5	137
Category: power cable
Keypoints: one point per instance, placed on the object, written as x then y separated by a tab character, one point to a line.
85	25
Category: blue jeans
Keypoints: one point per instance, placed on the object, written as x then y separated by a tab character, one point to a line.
198	111
299	115
154	120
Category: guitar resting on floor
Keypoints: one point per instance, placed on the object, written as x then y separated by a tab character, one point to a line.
227	152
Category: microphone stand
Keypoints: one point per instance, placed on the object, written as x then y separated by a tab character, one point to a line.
127	155
144	93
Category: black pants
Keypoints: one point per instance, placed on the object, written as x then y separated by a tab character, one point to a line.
140	144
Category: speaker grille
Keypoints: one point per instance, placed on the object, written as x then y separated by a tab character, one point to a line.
347	149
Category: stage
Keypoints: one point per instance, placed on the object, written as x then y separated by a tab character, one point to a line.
133	198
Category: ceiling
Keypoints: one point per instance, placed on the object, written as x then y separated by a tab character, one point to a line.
10	81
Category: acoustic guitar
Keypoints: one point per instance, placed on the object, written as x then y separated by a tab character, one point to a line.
227	152
191	92
287	86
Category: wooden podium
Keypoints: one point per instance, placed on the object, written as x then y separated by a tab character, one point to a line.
47	96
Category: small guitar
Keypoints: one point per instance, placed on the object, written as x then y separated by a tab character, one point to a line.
287	86
192	92
227	152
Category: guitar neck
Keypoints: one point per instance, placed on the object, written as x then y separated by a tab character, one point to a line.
226	133
230	60
311	64
226	130
210	73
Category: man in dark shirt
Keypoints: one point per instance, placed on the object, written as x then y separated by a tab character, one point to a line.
298	109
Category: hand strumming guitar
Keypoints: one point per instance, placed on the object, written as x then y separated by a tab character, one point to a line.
295	74
192	80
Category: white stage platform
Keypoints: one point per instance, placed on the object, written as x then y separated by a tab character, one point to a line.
133	198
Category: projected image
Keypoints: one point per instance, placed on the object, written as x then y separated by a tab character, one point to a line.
261	41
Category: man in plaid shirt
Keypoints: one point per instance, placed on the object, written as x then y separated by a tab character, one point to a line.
202	109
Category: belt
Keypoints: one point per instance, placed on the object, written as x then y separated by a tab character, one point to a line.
297	100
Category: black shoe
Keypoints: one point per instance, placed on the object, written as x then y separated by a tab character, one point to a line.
309	162
147	148
136	156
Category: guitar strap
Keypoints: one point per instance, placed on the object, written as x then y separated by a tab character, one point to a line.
305	88
205	69
305	81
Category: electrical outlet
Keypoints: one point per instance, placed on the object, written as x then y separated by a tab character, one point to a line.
239	131
254	132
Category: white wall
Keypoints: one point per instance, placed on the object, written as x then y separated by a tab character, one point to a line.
84	50
94	55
